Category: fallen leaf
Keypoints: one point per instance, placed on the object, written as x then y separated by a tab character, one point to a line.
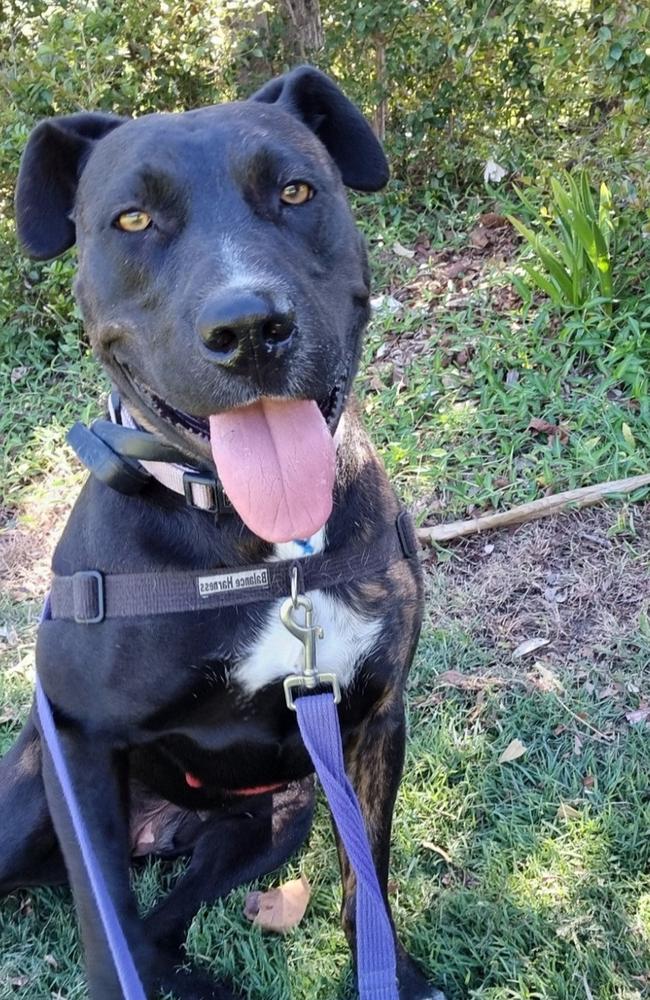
611	691
386	304
588	782
18	982
403	251
466	682
279	909
561	431
638	715
567	812
457	267
493	172
480	238
513	751
492	220
626	429
430	846
18	373
529	646
544	679
488	549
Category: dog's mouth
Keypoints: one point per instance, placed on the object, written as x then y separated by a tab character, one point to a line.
275	456
331	407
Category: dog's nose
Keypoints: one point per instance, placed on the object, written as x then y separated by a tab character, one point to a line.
237	324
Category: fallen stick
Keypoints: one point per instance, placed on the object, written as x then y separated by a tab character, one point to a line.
583	497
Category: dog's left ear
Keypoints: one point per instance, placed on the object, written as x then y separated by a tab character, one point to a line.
321	106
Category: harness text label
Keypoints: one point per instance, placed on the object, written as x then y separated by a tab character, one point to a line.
227	582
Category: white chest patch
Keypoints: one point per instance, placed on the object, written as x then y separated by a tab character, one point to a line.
349	637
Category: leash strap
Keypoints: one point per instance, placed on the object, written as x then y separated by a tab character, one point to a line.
125	969
376	963
88	597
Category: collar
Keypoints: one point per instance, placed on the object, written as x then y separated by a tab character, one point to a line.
126	458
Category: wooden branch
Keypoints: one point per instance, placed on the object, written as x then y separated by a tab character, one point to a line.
584	497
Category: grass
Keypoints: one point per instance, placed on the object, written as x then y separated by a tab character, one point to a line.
494	892
517	881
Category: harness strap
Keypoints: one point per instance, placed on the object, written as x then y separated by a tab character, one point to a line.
376	963
88	597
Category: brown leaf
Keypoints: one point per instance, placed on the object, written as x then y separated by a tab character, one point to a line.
430	846
492	220
588	782
480	238
279	909
567	812
466	682
561	431
457	267
513	751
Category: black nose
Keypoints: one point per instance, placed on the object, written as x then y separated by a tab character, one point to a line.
243	326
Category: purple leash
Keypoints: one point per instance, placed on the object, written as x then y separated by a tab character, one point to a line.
125	969
319	726
376	964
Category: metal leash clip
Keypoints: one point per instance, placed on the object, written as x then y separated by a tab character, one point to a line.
307	634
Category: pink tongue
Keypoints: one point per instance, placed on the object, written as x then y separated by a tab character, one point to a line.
276	460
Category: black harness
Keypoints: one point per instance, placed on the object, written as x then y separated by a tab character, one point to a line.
113	453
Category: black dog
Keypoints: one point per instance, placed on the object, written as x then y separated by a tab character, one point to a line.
224	288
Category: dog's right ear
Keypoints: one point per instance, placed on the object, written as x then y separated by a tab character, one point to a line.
50	169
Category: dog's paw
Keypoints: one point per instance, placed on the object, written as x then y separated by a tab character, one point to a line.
193	984
413	983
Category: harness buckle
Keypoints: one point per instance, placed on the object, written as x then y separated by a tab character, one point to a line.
218	502
308	683
309	679
88	597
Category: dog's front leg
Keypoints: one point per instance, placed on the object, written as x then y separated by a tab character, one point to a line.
96	771
374	761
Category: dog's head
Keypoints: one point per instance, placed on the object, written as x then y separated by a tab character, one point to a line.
221	278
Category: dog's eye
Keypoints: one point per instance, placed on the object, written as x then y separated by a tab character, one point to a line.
133	222
296	193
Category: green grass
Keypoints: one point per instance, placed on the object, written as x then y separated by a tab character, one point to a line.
528	905
517	903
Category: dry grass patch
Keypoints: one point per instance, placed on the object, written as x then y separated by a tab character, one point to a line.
580	581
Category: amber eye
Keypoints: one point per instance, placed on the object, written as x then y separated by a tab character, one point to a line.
296	193
133	222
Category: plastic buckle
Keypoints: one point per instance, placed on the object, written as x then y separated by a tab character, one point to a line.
78	581
191	479
309	682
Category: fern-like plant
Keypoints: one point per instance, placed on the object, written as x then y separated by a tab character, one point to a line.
574	245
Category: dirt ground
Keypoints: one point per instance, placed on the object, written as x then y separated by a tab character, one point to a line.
580	580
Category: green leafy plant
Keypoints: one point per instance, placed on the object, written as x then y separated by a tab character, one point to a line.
574	245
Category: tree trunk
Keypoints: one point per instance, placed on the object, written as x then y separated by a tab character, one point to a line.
306	27
380	78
